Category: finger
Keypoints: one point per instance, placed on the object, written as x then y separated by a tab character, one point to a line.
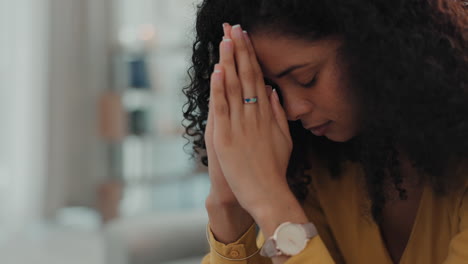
213	164
209	122
227	30
253	55
231	82
279	113
212	159
269	90
221	124
245	73
214	168
265	108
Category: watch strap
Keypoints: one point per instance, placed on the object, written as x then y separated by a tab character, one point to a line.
269	248
311	230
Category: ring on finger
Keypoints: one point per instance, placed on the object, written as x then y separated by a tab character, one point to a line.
251	100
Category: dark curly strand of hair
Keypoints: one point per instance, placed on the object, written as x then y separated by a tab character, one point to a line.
407	63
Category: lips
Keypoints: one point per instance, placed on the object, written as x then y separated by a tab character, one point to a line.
316	127
320	130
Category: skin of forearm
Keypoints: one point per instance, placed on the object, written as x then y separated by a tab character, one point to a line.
228	221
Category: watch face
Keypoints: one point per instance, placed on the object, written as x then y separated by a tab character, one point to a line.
291	239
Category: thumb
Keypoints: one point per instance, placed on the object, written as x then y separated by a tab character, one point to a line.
279	113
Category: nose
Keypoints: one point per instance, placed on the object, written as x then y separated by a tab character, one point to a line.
295	105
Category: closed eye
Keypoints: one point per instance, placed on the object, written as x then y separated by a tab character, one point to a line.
311	83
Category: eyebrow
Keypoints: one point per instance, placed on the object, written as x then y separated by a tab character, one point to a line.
289	70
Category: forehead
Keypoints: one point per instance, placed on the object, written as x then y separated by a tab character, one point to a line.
276	52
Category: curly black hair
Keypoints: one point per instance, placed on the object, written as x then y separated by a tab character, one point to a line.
407	63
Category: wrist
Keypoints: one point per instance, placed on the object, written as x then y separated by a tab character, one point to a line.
228	222
271	215
218	200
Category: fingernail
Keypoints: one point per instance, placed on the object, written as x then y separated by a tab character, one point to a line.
237	30
275	94
246	35
217	74
217	68
225	30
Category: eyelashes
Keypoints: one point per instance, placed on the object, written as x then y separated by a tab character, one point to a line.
311	83
307	85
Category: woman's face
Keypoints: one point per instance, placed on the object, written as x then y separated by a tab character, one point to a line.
313	87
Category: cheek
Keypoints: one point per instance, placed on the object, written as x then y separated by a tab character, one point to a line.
340	96
347	117
333	100
337	103
348	103
345	106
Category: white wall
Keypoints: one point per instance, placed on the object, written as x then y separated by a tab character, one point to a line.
54	63
23	105
78	73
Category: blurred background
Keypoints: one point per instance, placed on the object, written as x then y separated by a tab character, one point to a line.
93	165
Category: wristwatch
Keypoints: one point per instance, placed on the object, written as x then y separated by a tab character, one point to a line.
289	239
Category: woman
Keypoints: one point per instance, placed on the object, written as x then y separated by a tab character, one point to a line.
358	154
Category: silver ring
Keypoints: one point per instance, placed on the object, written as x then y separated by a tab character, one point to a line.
251	100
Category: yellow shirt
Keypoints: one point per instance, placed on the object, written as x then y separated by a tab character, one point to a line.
347	235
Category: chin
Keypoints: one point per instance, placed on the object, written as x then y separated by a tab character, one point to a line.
339	138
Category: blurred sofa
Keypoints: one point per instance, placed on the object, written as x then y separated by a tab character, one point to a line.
160	238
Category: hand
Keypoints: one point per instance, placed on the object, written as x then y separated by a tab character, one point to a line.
228	220
220	192
252	141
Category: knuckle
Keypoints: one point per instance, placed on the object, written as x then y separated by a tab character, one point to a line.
259	78
257	70
246	74
243	52
221	109
233	89
227	58
241	46
228	61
